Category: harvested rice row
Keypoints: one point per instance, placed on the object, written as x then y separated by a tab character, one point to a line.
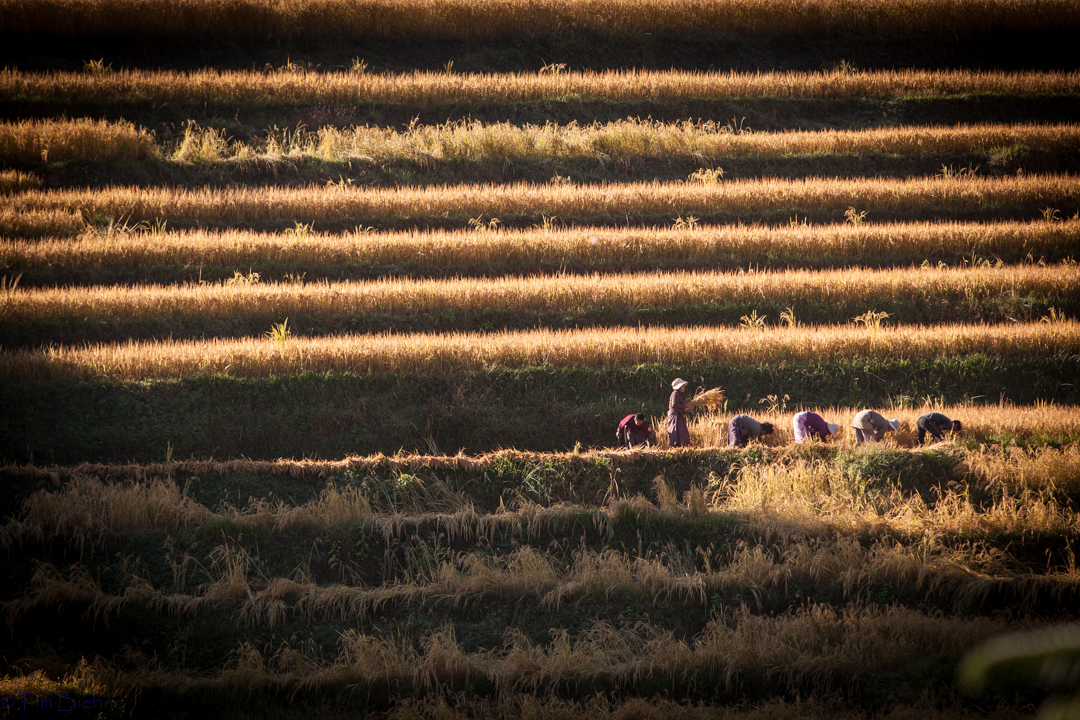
143	255
431	88
967	290
430	354
447	18
860	200
31	141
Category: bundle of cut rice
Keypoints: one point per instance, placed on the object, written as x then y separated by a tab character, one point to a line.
704	399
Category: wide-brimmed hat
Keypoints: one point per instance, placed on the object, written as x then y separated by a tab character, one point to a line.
833	428
894	424
678	383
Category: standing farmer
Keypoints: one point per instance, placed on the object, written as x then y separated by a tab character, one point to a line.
677	431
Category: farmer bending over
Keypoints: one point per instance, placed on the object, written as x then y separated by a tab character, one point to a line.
809	425
872	426
937	425
742	428
633	431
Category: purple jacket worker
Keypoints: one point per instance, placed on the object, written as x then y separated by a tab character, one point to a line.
811	425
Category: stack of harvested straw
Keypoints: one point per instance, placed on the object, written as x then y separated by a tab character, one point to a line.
707	399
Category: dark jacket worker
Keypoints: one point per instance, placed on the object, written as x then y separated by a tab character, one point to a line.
937	425
633	431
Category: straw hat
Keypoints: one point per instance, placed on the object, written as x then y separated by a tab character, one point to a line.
894	424
833	428
678	383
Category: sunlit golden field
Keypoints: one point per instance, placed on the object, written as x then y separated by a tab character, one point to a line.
312	357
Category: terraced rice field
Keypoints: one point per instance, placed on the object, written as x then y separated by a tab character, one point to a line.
310	374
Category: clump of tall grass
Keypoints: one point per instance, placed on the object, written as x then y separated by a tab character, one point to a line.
14	181
36	223
200	146
30	142
89	508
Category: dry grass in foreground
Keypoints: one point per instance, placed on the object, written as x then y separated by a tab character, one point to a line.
966	573
971	288
811	650
450	18
994	490
471	252
432	354
820	197
435	88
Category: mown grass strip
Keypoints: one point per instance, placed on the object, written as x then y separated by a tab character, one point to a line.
769	200
432	354
909	296
143	254
447	18
432	88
